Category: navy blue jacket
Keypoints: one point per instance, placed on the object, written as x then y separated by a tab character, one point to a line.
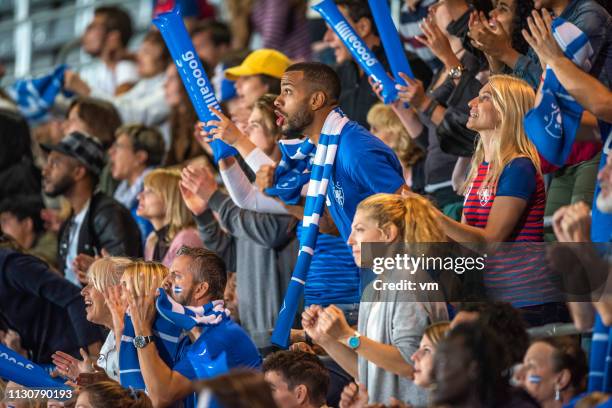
44	308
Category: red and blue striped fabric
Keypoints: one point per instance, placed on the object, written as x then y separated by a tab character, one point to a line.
516	273
479	200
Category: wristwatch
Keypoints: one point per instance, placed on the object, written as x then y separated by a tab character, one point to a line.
354	341
456	72
142	341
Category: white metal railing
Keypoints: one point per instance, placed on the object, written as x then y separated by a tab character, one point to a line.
27	30
77	13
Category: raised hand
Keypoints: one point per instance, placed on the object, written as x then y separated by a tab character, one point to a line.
572	223
114	298
142	308
541	38
354	396
201	183
81	264
224	129
74	83
12	340
437	42
52	219
413	92
71	367
310	323
265	176
195	204
489	36
332	322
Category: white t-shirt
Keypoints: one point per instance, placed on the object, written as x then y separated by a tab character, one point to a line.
109	358
103	81
145	103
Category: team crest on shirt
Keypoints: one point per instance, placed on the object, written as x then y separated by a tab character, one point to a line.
338	194
484	195
554	126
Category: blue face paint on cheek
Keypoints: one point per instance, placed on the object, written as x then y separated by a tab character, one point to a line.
534	379
177	289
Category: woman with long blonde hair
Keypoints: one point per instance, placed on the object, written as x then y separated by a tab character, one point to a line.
505	199
504	189
391	321
161	203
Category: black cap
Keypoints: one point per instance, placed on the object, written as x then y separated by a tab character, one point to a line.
86	149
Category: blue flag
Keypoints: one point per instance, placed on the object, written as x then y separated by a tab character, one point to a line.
552	125
34	97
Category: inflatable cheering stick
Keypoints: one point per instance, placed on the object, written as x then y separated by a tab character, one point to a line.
197	85
358	48
390	40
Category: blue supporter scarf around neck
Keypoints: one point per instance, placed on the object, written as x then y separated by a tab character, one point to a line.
318	169
169	327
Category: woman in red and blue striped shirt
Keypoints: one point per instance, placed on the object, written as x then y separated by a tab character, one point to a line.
505	199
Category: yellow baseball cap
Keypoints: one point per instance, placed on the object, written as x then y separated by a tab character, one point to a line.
264	61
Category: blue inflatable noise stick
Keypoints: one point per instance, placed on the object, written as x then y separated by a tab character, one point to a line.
16	368
390	40
189	67
358	48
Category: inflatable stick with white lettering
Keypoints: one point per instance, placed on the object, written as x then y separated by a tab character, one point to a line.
358	48
15	368
390	40
197	85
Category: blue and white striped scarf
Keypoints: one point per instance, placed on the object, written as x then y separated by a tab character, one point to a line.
293	170
187	317
552	125
168	330
35	96
167	337
320	171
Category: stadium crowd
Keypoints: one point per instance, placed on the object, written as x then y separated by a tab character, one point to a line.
140	269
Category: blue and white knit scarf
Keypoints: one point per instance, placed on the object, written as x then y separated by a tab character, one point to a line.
552	125
296	165
293	170
168	330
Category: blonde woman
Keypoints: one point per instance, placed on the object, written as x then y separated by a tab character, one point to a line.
504	190
143	277
505	199
160	202
387	126
390	323
102	275
140	278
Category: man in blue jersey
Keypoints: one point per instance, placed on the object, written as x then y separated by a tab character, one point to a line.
363	165
198	278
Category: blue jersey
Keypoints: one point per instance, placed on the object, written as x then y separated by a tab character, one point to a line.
364	166
226	337
333	277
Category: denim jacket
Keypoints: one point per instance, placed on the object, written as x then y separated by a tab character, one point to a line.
595	22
